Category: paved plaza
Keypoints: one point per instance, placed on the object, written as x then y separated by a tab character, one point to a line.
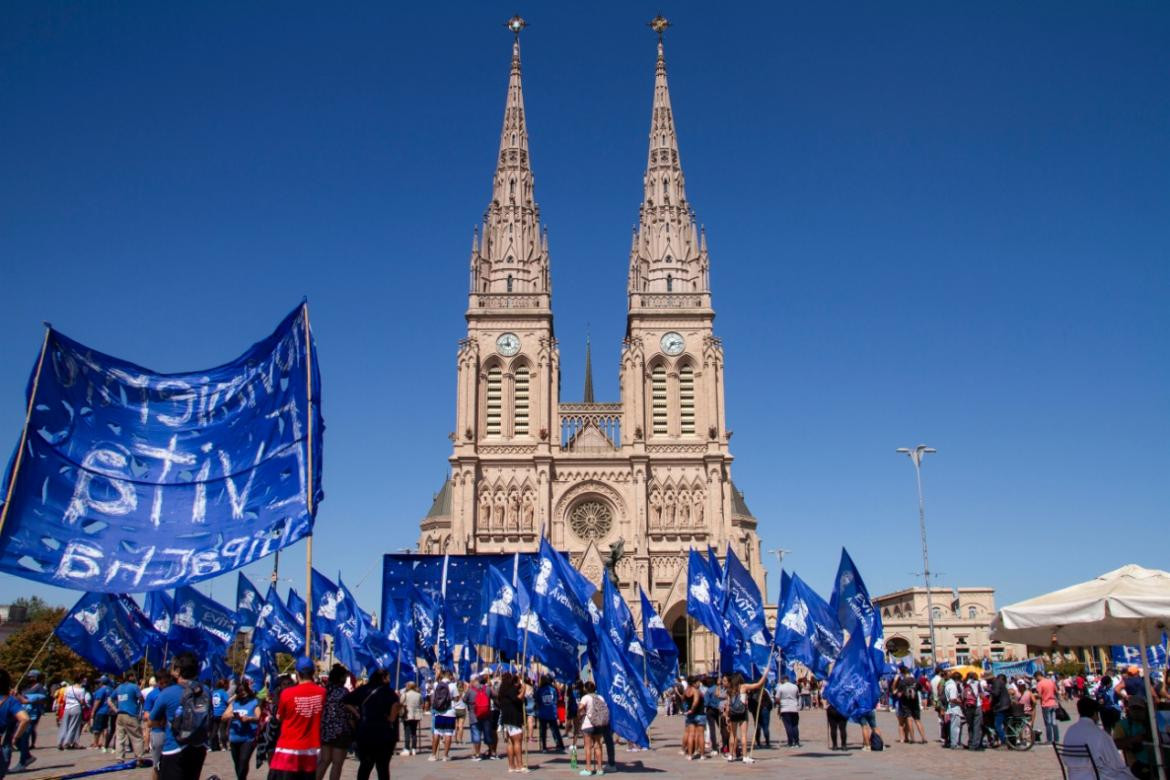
814	760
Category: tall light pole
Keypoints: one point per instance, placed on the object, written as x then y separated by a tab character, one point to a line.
916	455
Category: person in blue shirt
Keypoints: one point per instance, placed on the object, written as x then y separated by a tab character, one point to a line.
33	697
219	726
178	762
546	713
13	721
100	723
128	706
243	718
163	680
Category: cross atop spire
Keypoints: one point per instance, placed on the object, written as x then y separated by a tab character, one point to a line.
667	256
512	256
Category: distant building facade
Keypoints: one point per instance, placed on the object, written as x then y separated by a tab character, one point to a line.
962	625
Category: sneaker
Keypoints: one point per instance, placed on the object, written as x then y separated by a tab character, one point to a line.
476	758
432	757
865	748
585	773
748	760
27	764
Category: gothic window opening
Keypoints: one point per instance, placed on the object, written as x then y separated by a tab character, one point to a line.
512	188
686	399
658	399
669	280
520	402
494	401
665	191
509	278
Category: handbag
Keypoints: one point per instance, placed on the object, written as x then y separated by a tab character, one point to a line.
1061	713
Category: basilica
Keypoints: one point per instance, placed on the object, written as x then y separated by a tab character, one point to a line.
648	475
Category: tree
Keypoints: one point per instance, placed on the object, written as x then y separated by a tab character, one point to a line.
34	606
57	662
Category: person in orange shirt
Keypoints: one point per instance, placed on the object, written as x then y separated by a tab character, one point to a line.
1046	691
299	712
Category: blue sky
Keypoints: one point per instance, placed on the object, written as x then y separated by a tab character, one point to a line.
928	222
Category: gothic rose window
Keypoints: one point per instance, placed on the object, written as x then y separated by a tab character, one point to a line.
591	519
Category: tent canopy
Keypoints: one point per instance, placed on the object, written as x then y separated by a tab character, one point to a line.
1111	609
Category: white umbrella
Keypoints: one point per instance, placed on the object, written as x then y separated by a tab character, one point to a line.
1123	607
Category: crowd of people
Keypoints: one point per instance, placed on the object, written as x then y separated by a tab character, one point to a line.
309	725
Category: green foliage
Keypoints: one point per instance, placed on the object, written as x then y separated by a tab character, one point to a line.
34	605
1067	668
57	662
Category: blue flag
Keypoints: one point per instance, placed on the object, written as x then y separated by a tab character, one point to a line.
350	632
661	651
100	630
618	622
745	609
276	626
327	597
159	607
621	687
424	614
855	611
557	595
296	607
1131	655
852	687
248	601
499	614
806	630
393	647
719	574
704	602
199	624
556	651
137	481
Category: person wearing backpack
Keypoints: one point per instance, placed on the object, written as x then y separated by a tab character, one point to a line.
973	711
183	711
477	704
442	716
594	714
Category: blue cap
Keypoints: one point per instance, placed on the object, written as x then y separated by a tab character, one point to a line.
305	666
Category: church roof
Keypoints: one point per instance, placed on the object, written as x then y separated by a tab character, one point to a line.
442	503
738	505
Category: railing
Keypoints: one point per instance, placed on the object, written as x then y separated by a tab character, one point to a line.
509	300
669	300
590	428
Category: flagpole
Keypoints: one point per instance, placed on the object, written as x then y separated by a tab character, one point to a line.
309	482
523	668
33	662
760	702
32	397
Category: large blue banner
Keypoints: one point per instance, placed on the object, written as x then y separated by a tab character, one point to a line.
131	480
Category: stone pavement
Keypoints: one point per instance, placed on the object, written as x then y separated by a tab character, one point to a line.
814	760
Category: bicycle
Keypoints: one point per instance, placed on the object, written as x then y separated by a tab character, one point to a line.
1019	733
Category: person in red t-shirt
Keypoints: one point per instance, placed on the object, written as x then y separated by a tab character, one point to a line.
299	712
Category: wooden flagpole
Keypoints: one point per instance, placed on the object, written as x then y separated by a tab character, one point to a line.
760	703
32	398
309	482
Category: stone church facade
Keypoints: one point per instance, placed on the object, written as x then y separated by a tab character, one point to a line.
652	469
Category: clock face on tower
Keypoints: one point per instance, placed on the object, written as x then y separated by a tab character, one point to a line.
672	343
508	344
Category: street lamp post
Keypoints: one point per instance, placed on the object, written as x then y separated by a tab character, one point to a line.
916	455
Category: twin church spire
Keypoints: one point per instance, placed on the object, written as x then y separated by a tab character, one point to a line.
669	253
511	256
